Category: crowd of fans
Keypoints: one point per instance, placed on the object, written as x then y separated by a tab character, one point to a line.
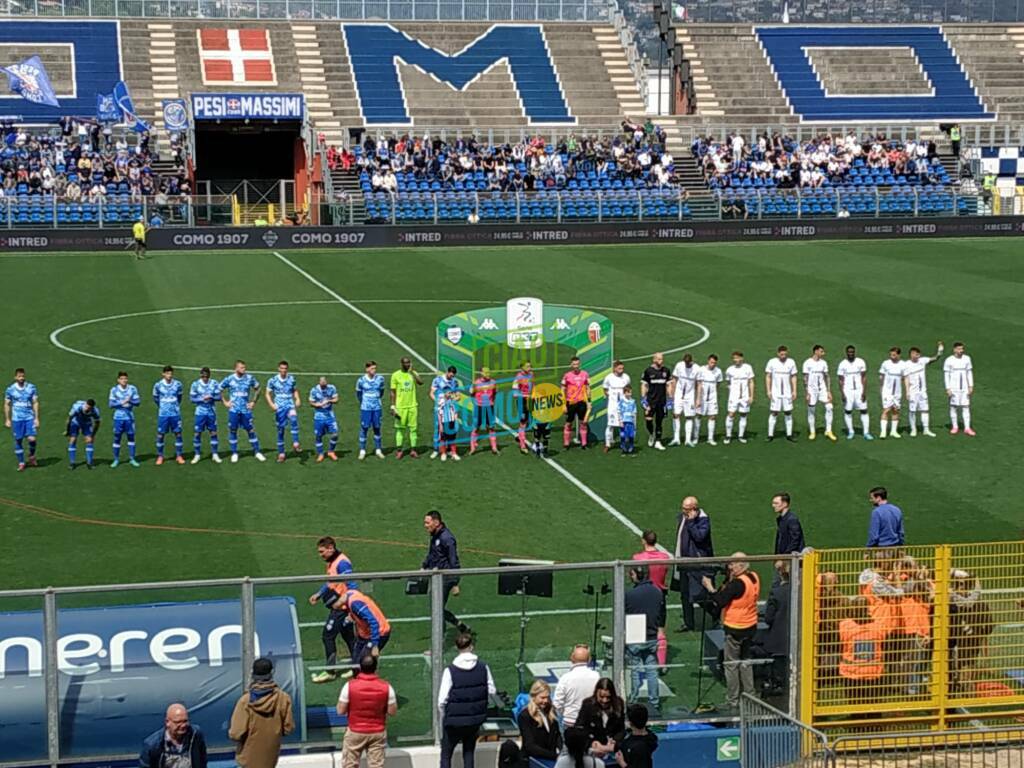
86	161
636	159
878	644
778	160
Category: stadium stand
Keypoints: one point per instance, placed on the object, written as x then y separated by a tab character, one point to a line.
972	69
165	59
80	174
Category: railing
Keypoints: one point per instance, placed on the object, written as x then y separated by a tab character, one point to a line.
1001	745
113	211
520	639
627	36
870	202
769	738
375	10
820	11
988	134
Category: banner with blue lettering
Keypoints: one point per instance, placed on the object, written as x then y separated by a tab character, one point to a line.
247	106
29	80
120	667
106	108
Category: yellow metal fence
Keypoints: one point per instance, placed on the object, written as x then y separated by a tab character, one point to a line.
913	638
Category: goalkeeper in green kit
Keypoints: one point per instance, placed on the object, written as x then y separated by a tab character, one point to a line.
404	407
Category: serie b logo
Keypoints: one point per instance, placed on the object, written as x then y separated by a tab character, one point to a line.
594	332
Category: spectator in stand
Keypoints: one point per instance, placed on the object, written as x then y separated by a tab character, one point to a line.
603	717
261	718
538	725
575	685
659	577
576	754
177	743
466	688
368	701
638	744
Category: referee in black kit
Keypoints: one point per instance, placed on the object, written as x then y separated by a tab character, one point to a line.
443	555
654	398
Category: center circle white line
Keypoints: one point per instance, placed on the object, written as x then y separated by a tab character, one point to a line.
55	334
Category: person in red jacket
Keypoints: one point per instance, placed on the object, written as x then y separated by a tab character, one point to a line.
368	701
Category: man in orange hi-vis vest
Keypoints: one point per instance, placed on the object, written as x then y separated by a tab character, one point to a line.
737	599
861	658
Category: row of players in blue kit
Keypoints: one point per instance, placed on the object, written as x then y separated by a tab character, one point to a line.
238	392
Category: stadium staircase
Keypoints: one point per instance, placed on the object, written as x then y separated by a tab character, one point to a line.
349	184
994	58
161	61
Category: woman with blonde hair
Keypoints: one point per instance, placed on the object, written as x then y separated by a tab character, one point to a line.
538	726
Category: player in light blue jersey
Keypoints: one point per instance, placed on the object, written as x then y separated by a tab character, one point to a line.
370	389
444	391
123	400
84	420
21	416
239	392
205	393
323	397
283	398
627	415
167	394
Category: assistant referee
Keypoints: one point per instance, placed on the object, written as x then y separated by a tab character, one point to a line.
139	233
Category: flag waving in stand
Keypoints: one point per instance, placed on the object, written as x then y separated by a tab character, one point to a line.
124	103
29	80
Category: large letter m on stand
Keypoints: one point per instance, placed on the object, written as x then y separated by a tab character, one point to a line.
376	50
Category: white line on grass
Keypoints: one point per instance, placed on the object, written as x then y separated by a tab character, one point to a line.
587	490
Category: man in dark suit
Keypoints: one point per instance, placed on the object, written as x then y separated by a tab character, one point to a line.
789	534
693	539
773	642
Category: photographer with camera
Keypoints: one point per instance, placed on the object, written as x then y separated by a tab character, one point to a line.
737	599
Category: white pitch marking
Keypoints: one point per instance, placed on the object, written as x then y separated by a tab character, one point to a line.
587	490
55	335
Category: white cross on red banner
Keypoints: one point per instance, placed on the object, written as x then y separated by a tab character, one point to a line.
236	57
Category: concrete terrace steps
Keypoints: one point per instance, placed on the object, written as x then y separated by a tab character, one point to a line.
311	58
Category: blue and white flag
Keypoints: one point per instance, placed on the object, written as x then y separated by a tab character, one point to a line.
30	81
106	108
124	103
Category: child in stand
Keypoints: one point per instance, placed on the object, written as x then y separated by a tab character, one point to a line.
627	412
636	750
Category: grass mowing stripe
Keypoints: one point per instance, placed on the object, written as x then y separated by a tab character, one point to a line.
580	485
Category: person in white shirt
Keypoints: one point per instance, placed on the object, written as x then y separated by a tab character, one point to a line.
817	389
683	393
780	383
575	685
916	385
740	376
853	378
959	388
890	380
708	377
613	384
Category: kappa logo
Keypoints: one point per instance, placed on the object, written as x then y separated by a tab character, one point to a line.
488	325
560	325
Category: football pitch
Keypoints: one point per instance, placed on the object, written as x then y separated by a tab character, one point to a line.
74	320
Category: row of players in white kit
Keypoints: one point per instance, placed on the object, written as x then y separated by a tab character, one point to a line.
693	393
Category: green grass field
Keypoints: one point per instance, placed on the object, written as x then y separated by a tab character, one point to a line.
194	309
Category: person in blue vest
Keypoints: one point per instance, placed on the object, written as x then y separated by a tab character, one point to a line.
466	687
